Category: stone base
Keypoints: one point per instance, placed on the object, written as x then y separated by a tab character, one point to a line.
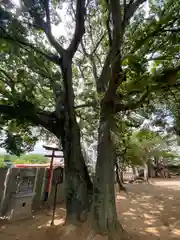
20	207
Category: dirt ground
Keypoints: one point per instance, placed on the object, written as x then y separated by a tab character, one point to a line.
145	211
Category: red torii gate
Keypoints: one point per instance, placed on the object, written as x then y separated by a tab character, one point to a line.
52	156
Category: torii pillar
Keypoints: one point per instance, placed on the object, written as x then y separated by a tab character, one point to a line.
50	169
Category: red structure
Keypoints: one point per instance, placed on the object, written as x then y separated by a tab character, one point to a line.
50	169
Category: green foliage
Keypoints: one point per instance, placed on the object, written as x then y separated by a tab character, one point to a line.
136	144
26	78
24	158
30	79
31	158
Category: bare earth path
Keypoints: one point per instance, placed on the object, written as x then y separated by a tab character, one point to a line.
151	212
147	212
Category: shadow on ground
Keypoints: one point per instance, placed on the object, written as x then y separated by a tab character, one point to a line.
151	211
35	228
147	211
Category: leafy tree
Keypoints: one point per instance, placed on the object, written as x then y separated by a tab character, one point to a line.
4	159
36	93
119	53
136	144
116	50
31	158
150	144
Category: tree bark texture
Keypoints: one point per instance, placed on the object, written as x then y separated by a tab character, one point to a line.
77	180
78	185
104	205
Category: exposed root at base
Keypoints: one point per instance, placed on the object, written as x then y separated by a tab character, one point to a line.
113	233
117	233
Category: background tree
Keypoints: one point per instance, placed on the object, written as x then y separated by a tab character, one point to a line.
24	158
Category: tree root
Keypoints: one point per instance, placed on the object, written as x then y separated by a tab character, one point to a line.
117	232
114	232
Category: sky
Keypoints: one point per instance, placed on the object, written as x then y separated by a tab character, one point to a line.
37	149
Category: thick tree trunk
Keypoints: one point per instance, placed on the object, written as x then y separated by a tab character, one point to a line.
78	185
104	205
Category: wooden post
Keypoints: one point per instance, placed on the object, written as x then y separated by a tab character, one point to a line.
50	170
57	179
54	204
49	177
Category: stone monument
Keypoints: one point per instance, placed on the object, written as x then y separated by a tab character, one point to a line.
20	204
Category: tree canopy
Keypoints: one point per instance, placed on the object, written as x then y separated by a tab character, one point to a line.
117	64
30	78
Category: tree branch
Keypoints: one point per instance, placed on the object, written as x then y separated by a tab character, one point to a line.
116	19
131	106
48	20
97	44
115	50
99	60
94	68
51	57
46	27
8	78
130	10
54	43
108	28
90	104
125	8
90	57
79	28
38	117
164	81
158	29
84	50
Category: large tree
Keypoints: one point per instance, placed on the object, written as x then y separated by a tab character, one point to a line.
119	54
36	75
118	45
